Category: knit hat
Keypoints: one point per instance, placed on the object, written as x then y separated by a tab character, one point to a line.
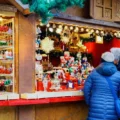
108	57
116	52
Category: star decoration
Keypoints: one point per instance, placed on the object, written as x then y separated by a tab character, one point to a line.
47	45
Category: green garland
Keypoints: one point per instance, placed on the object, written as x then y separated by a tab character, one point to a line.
44	7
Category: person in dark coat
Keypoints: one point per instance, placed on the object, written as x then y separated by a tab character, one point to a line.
97	92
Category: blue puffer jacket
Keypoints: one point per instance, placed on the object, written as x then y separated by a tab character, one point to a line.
98	94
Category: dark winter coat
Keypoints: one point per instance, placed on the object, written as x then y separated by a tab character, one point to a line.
118	66
98	94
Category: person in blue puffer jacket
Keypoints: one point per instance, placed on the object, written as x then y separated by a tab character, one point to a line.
97	92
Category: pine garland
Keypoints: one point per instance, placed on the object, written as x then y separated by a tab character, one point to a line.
44	7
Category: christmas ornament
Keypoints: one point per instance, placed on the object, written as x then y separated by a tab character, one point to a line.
65	36
47	45
44	7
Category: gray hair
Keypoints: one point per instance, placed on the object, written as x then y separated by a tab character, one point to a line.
116	52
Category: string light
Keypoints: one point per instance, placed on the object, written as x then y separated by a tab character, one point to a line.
58	30
115	34
1	19
66	27
102	32
60	26
92	31
82	29
48	25
51	29
119	34
97	31
76	29
41	24
54	26
87	30
71	28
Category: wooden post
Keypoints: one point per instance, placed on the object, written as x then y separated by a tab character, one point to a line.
26	45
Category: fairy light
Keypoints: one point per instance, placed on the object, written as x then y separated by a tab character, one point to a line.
48	25
58	30
97	31
51	29
66	27
1	19
76	29
60	26
71	28
54	26
115	34
41	24
82	29
102	32
118	34
92	31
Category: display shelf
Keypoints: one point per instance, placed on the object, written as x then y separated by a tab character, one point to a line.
6	61
7	75
7	53
21	102
6	47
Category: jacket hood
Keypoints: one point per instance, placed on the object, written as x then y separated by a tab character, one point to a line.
106	69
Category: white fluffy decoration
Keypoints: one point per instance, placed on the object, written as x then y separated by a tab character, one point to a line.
65	39
108	57
116	52
47	45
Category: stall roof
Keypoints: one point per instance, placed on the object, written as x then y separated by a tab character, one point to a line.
22	8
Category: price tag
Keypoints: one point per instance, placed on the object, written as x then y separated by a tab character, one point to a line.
70	85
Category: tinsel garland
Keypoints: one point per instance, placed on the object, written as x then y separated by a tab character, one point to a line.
44	7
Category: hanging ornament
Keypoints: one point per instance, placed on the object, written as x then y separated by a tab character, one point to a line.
58	30
9	31
99	39
47	45
65	36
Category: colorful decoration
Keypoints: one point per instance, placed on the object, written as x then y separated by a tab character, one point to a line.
47	45
45	7
65	36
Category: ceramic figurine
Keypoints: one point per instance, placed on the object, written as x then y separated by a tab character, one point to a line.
45	83
55	83
70	84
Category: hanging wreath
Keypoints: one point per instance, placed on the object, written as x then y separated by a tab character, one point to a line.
44	7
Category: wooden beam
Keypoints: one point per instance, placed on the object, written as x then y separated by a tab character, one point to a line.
87	20
13	2
7	8
19	7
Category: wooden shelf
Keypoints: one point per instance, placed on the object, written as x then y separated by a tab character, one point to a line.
6	61
7	75
6	47
40	101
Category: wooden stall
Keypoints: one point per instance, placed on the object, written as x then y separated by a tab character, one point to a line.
71	108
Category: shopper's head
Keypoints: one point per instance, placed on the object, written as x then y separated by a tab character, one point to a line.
116	52
107	57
